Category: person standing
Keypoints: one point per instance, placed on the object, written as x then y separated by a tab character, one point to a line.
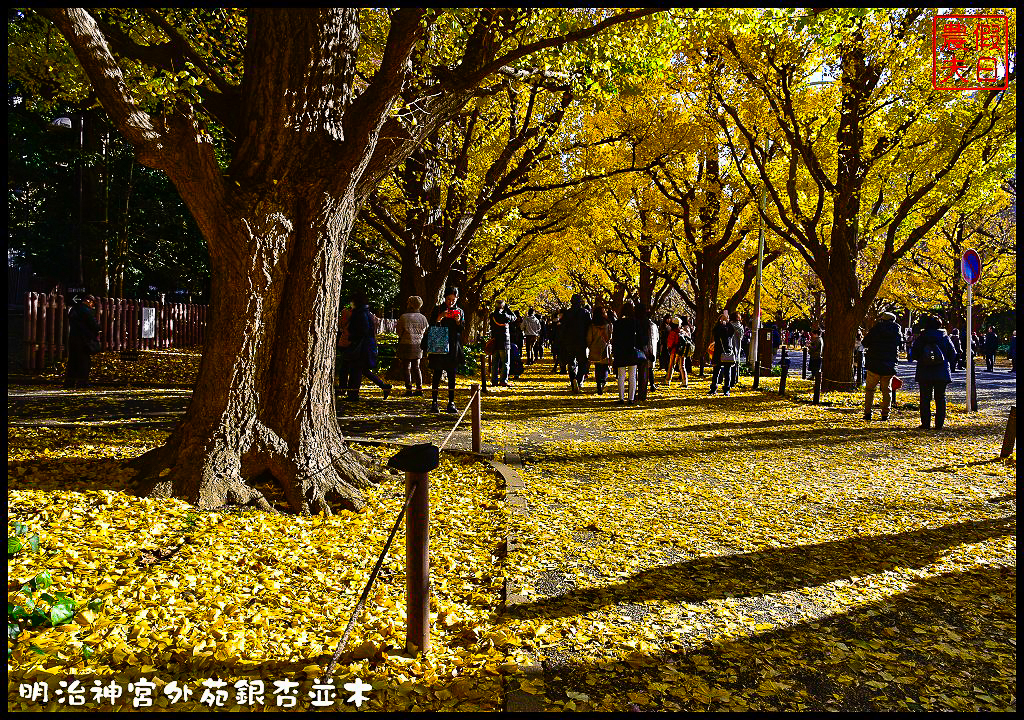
815	346
449	316
501	339
362	354
627	341
721	355
935	355
574	325
882	347
954	337
1011	352
531	333
737	346
991	347
83	332
515	358
599	345
645	368
411	326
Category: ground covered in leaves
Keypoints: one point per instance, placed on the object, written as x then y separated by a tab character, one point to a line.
692	552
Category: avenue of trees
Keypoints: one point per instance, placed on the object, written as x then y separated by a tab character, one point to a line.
524	154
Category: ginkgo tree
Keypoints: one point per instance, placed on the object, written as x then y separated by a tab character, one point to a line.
316	106
859	167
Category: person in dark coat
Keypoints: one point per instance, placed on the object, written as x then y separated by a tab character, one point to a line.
575	322
991	347
1011	352
449	315
627	350
721	334
882	347
501	339
935	357
362	354
83	329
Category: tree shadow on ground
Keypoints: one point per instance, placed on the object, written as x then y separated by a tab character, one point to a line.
772	571
945	644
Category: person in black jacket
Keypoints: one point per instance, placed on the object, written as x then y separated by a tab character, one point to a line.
83	330
722	335
882	346
935	356
991	347
627	352
575	322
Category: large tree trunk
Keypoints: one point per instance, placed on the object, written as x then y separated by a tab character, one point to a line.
264	399
842	320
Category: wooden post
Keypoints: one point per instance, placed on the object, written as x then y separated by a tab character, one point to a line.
1010	436
784	371
484	355
30	330
803	370
757	374
417	562
474	389
817	388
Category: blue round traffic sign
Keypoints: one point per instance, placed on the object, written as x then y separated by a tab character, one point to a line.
970	266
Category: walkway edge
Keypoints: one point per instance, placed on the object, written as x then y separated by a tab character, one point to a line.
516	700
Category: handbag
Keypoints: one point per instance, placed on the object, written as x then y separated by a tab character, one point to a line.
489	346
437	340
728	358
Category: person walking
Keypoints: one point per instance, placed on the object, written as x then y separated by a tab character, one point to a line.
411	326
531	335
449	316
362	355
721	356
599	346
1011	352
501	340
574	325
935	356
627	344
882	347
83	341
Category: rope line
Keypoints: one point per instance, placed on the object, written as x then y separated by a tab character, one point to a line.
366	591
380	559
464	411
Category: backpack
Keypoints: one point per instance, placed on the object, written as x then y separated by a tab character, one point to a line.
930	355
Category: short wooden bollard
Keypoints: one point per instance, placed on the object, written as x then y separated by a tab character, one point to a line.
803	370
757	374
1010	436
483	372
417	461
476	416
784	370
817	387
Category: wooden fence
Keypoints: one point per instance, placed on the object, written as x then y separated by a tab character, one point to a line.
46	326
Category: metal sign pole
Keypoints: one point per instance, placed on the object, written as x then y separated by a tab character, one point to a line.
968	350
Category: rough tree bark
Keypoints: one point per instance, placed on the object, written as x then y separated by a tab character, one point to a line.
307	150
